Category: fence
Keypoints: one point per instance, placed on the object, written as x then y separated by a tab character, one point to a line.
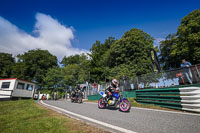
164	79
168	78
92	92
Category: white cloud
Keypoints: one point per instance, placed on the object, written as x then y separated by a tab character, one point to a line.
49	35
157	41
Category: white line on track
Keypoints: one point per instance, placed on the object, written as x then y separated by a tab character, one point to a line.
165	111
91	120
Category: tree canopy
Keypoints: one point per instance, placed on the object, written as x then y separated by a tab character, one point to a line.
76	69
132	52
184	44
33	65
101	62
54	78
6	63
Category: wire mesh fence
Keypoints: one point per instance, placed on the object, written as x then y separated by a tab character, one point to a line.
95	89
180	76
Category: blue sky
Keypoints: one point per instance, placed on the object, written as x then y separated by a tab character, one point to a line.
98	19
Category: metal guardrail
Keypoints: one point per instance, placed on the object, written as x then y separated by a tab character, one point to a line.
185	98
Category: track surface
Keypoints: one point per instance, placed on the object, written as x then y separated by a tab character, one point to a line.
137	120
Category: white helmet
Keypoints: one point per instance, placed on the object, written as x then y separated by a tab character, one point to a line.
114	82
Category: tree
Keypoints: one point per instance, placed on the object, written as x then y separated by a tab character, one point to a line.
188	40
100	59
54	79
71	74
73	59
76	68
7	61
165	58
131	52
33	65
185	44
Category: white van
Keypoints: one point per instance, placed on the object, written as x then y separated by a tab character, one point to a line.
16	88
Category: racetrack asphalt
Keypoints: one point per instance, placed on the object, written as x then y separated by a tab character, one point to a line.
137	120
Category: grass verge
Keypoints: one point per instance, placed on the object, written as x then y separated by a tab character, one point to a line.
136	104
26	116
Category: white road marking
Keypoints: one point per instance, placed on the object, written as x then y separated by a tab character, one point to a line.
92	120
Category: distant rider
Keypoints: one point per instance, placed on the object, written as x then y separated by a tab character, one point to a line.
78	89
73	93
112	87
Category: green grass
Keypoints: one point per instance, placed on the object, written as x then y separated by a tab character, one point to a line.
25	116
136	104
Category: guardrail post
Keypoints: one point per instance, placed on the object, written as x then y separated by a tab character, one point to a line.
197	71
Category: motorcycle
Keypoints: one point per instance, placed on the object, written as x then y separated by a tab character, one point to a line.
77	97
80	97
114	101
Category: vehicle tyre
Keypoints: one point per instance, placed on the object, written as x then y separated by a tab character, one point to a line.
101	103
125	105
80	99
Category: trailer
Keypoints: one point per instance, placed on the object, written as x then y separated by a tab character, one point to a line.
14	88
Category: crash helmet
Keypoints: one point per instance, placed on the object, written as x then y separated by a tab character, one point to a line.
114	82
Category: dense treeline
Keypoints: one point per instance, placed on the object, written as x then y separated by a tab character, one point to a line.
109	59
183	44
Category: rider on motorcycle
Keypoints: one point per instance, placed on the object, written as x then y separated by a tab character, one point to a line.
113	98
112	87
78	89
73	93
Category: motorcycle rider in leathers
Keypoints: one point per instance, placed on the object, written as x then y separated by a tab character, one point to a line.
78	89
112	87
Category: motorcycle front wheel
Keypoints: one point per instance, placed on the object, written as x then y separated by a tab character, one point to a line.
80	99
125	105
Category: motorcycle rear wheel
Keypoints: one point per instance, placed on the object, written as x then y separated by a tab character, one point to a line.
101	103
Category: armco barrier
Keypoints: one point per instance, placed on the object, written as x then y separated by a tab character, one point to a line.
94	97
128	94
184	98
